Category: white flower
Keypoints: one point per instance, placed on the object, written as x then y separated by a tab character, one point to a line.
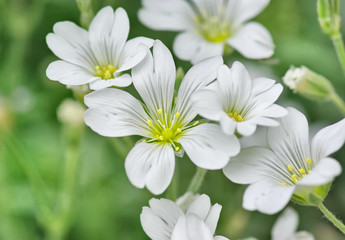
165	220
165	122
99	56
208	25
239	103
291	167
286	225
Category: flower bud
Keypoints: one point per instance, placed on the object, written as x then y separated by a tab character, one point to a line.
71	112
308	83
329	19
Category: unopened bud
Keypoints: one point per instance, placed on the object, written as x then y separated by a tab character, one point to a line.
329	19
71	112
308	83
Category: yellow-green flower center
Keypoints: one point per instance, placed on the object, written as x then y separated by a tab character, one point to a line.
213	28
237	117
105	72
297	173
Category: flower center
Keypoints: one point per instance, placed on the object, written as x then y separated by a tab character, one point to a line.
167	129
213	28
237	117
105	72
297	173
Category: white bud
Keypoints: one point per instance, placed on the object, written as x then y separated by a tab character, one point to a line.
71	112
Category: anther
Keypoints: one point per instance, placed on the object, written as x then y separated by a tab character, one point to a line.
195	123
308	160
149	122
177	115
177	149
294	178
159	111
161	138
301	170
290	168
178	130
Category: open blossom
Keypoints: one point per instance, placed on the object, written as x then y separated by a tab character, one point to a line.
165	122
98	57
208	25
291	167
239	103
165	220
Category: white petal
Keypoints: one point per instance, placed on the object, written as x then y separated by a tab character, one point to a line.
200	207
69	51
207	104
121	81
324	172
197	78
159	220
154	78
303	235
247	167
274	111
246	128
208	147
168	15
213	217
293	131
328	140
286	225
221	238
68	73
253	41
262	84
263	121
72	32
150	165
228	124
186	45
266	197
243	10
206	50
108	34
191	227
134	52
115	113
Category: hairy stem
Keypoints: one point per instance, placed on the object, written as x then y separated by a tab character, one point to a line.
338	101
340	49
330	216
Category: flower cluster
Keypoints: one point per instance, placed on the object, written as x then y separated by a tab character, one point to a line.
232	104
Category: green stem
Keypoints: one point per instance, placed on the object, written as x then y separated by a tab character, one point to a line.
340	49
86	12
338	101
337	223
197	180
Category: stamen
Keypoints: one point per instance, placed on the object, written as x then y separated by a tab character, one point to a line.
308	160
195	123
177	115
281	183
177	149
105	72
161	138
149	122
294	178
301	170
290	168
237	117
178	130
159	111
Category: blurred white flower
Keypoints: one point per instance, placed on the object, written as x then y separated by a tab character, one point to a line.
239	103
99	56
292	167
165	122
286	225
208	25
165	220
285	228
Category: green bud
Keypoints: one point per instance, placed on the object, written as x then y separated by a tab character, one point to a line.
329	19
308	84
311	195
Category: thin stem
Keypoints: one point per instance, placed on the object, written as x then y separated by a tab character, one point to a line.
197	180
340	49
330	216
338	101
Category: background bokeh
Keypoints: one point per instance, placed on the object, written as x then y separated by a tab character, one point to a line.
106	205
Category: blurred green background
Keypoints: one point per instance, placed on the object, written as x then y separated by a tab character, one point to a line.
106	206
